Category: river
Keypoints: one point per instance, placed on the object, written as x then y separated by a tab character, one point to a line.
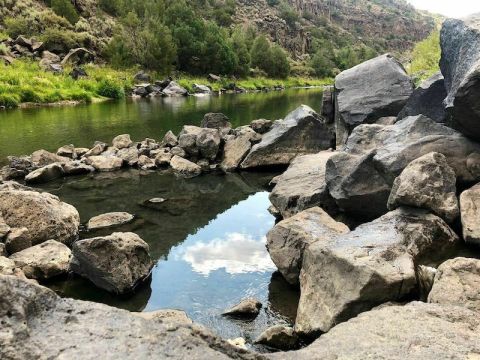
208	239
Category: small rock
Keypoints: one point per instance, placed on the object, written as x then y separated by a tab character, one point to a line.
67	151
208	143
173	89
185	167
109	220
201	89
247	308
81	151
173	318
43	261
45	174
261	126
105	163
163	158
7	266
77	168
426	276
215	121
178	151
238	342
129	155
187	139
97	149
122	141
279	337
17	240
4	228
145	163
142	77
169	140
42	158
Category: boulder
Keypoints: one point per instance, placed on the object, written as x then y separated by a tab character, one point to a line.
457	282
105	163
361	177
122	141
109	220
247	308
367	267
303	185
45	174
261	126
208	143
302	132
470	214
416	331
116	263
97	149
187	139
214	78
145	163
235	150
129	155
77	168
17	239
427	100
287	240
216	121
177	150
169	140
18	167
142	77
428	183
43	214
376	88
185	167
173	89
279	337
43	261
81	151
67	151
201	89
163	158
42	158
50	57
460	63
78	56
37	323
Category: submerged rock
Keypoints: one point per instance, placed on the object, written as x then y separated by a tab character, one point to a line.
429	183
470	214
427	100
247	308
287	241
414	331
109	220
116	263
376	88
302	132
303	185
279	337
37	323
457	282
369	266
43	261
43	214
460	63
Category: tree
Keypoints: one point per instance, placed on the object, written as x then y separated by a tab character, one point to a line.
241	52
280	67
321	64
218	55
66	9
260	53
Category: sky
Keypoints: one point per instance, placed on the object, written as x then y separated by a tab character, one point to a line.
449	8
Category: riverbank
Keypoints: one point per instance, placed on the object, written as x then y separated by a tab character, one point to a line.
24	82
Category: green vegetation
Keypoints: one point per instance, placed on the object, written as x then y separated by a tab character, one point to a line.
426	57
24	81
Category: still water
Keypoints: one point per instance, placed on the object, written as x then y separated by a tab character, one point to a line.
207	239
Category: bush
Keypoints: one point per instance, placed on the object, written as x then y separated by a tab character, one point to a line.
17	26
66	9
280	67
288	14
61	40
9	100
110	89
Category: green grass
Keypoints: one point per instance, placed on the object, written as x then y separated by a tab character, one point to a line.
25	82
425	57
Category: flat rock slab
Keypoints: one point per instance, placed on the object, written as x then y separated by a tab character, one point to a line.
43	261
37	324
367	267
416	331
302	132
457	282
303	185
116	263
470	214
287	241
109	220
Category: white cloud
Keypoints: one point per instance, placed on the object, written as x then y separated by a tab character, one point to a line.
237	253
448	8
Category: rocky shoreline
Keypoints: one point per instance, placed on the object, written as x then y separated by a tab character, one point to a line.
378	225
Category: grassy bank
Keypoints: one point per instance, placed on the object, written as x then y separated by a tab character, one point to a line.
25	82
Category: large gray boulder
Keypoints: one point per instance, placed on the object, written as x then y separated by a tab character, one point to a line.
38	324
374	89
187	139
457	282
427	100
287	240
43	214
361	177
302	132
416	331
428	183
216	121
116	263
208	143
460	63
470	214
303	185
369	266
43	261
235	150
174	89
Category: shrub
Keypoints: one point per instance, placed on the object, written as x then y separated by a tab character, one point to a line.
61	40
17	26
66	9
110	89
9	100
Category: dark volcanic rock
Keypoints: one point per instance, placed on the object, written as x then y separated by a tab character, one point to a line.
38	324
427	100
302	132
460	64
376	88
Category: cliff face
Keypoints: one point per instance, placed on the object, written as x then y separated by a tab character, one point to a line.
386	25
